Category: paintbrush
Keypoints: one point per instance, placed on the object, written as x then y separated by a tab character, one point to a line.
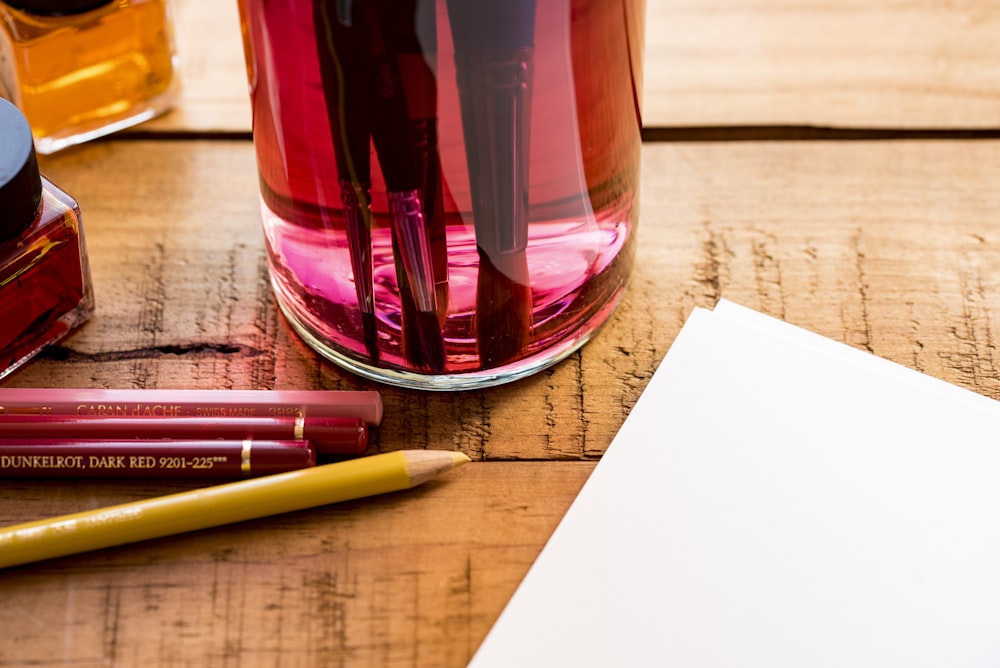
391	132
415	44
346	68
359	51
403	156
422	339
494	43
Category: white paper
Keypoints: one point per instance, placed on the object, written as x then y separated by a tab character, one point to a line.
774	500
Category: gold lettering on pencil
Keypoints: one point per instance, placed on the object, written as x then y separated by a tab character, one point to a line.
25	410
142	462
156	410
226	411
285	411
41	462
128	410
107	462
105	410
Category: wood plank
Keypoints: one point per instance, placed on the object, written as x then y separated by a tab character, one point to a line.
213	96
890	247
884	64
887	63
414	578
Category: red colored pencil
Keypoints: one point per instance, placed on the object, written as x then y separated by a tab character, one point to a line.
328	435
67	458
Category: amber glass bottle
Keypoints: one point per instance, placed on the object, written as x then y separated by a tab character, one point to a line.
81	69
45	287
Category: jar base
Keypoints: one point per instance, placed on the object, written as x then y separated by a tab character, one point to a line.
450	382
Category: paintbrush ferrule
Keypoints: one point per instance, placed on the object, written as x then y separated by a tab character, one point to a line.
405	212
496	103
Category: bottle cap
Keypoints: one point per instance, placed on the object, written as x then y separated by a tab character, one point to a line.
20	181
57	7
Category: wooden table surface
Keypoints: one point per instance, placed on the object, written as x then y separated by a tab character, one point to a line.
832	164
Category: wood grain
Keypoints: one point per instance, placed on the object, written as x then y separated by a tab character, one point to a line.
415	578
881	64
886	64
890	247
213	96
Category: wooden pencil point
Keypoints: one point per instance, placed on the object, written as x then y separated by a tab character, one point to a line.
424	465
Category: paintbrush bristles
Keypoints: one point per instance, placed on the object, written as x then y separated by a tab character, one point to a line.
357	219
413	252
503	308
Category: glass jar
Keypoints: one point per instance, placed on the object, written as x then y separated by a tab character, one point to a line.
45	285
449	188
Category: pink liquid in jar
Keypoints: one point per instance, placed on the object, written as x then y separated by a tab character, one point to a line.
458	269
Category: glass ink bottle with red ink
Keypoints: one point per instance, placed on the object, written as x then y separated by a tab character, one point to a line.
45	285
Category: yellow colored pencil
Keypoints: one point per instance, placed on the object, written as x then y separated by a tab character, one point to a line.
222	504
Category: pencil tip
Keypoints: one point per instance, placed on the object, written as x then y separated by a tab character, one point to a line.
426	464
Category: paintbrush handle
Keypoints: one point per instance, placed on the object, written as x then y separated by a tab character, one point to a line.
494	68
495	96
490	27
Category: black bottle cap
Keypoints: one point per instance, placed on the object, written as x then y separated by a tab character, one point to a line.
57	7
20	181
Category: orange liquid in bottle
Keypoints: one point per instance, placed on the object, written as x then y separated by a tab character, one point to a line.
81	76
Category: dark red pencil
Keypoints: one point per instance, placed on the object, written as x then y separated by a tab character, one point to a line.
66	458
328	435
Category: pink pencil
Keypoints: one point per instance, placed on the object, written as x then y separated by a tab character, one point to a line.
364	405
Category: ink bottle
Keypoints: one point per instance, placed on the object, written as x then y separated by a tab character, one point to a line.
81	69
45	287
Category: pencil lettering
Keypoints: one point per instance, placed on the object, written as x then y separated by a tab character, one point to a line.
26	410
129	410
226	411
142	462
41	462
106	462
